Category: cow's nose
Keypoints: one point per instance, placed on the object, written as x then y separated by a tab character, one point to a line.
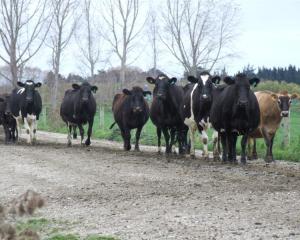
28	99
204	96
242	103
137	109
85	99
285	113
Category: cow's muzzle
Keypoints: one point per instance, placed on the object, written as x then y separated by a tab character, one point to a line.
137	109
85	99
242	103
284	113
29	99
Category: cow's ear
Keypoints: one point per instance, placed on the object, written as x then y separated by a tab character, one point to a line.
75	86
254	81
172	81
126	91
274	96
94	89
228	80
151	80
294	95
192	79
37	85
216	79
20	84
145	93
1	99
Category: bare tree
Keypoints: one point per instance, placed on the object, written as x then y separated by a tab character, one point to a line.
60	35
198	31
152	35
24	25
89	41
122	21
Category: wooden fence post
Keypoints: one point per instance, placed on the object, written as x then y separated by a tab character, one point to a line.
285	124
101	116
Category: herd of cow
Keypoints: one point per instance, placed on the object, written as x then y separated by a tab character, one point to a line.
231	108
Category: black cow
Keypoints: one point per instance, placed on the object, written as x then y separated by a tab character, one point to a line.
131	111
78	108
165	112
7	120
234	112
195	110
26	106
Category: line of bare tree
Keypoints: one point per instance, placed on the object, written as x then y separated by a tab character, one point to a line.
196	33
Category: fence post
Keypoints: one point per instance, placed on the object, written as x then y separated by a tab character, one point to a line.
45	116
101	116
285	124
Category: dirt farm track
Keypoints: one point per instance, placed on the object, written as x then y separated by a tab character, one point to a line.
148	196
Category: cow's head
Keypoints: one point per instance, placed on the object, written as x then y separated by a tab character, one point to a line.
85	91
162	85
284	100
29	88
136	98
242	88
205	85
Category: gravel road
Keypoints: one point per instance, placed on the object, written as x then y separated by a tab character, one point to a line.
148	196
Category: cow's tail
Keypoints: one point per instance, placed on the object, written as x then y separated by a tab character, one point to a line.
111	126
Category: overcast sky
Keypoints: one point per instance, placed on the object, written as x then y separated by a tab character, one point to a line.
269	35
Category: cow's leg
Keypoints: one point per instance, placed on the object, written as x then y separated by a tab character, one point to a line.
243	145
69	134
234	137
6	132
27	124
224	146
19	123
34	128
249	148
74	132
268	142
127	137
172	141
192	139
271	148
204	138
182	143
167	138
137	139
89	133
81	131
254	152
216	152
158	133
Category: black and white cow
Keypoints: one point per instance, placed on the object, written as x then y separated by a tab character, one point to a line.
195	110
7	120
78	108
234	112
26	106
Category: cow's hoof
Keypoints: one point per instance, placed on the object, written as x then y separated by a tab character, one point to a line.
269	159
27	131
192	156
137	149
88	142
205	158
254	157
217	158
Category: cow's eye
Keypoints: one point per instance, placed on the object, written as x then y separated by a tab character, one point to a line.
279	101
290	101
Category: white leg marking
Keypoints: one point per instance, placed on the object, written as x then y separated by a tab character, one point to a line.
69	135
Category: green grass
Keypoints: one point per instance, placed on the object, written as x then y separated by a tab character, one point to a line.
55	229
148	136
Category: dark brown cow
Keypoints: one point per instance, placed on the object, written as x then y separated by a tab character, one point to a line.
130	111
273	107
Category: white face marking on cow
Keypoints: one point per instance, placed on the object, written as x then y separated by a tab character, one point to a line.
191	121
161	77
204	78
20	91
29	83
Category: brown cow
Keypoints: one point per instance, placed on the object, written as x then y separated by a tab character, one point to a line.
273	107
130	111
